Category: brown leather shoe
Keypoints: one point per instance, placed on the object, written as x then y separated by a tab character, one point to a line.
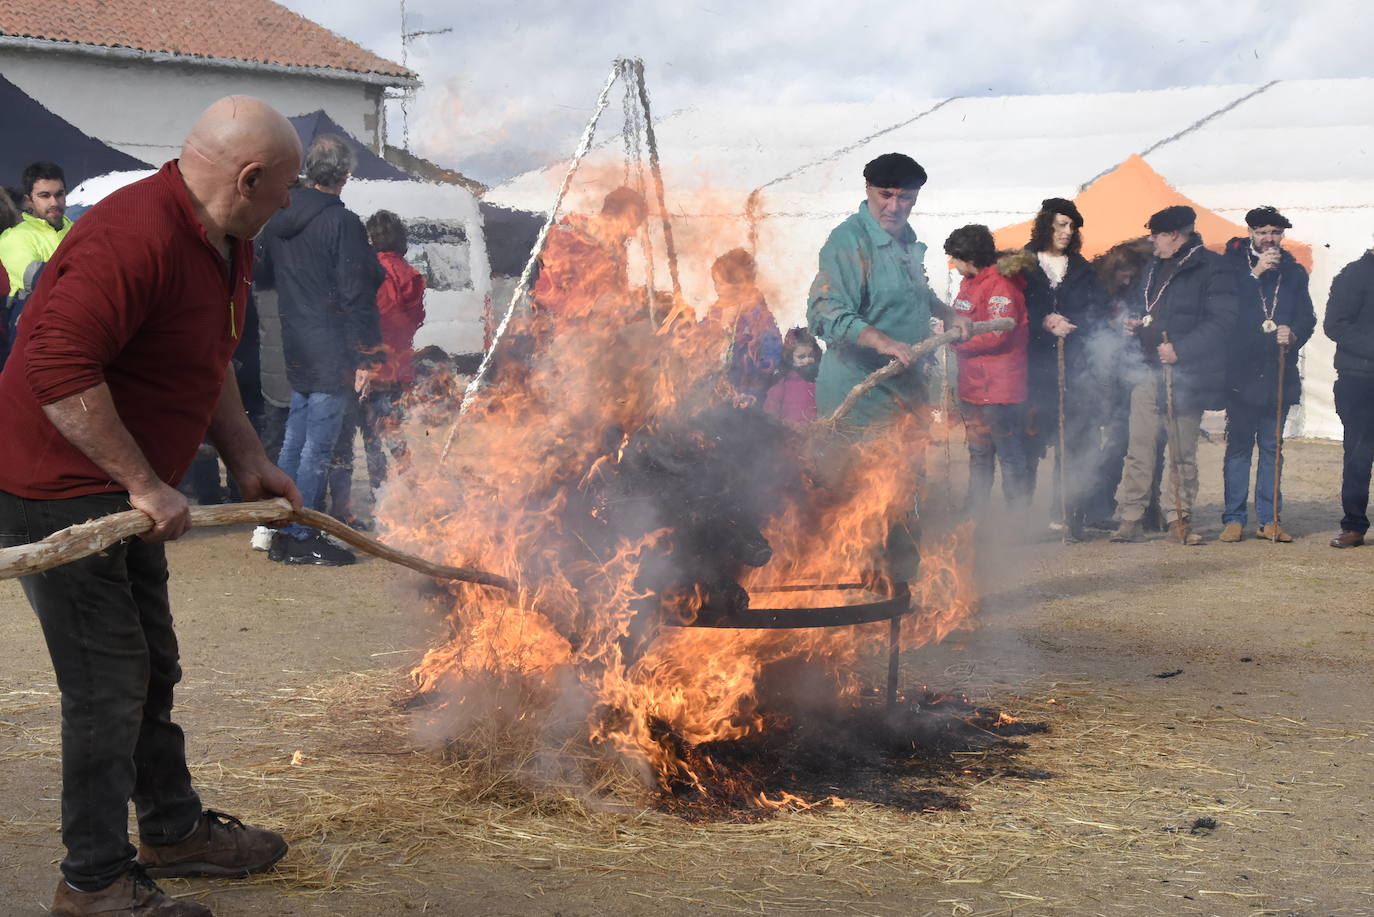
131	895
1180	532
1231	532
1347	540
221	846
1273	532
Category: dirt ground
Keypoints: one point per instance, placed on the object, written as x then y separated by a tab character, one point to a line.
1265	727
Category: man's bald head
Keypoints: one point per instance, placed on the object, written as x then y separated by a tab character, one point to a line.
239	162
237	130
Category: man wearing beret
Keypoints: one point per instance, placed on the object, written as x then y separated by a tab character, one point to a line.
1274	310
1186	308
870	302
1349	322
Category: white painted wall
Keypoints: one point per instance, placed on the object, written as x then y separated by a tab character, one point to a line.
146	108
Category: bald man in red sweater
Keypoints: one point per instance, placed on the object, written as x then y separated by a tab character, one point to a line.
119	369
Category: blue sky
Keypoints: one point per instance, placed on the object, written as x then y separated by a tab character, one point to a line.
511	87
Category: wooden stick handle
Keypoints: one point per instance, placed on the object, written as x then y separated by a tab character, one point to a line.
879	376
87	538
1278	438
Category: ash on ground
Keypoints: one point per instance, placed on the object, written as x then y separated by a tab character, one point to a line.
915	755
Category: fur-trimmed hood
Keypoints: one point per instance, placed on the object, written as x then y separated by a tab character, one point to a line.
1021	261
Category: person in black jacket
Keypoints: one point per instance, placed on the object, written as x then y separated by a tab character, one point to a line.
1063	302
1187	307
1273	309
326	277
1350	323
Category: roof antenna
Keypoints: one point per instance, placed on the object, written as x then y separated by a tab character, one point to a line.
409	91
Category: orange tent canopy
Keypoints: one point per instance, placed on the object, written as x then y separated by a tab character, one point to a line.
1117	205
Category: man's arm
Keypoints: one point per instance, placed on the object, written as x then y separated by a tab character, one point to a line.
1302	317
90	422
1345	321
242	452
358	277
1208	337
16	254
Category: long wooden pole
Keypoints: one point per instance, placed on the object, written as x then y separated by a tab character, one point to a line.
1174	471
895	368
1059	470
87	538
1278	438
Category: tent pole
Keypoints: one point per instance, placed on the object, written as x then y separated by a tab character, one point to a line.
522	287
637	65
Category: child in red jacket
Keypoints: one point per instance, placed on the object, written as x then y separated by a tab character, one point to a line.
992	367
400	312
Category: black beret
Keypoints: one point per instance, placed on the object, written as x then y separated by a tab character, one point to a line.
1172	219
895	170
1066	207
1266	216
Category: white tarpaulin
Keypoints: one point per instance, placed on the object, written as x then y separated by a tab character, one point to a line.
1303	146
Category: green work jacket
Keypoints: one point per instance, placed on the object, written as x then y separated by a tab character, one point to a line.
868	278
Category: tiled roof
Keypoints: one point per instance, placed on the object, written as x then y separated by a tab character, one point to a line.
244	30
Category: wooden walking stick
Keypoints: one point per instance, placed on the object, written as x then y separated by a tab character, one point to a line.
946	406
87	538
1278	438
1174	471
895	368
1063	497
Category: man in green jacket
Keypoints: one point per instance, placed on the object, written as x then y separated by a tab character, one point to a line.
45	224
871	300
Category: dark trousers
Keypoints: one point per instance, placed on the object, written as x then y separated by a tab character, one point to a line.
271	427
108	627
1083	467
377	416
995	432
1355	405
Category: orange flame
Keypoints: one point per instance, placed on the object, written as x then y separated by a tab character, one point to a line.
527	481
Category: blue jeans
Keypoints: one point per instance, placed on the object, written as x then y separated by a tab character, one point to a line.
312	428
1249	425
108	626
995	432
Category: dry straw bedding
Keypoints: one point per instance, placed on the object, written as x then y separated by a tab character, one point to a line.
339	770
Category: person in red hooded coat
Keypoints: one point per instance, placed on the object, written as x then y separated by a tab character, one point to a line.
992	366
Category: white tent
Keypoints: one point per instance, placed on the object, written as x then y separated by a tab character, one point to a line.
1303	146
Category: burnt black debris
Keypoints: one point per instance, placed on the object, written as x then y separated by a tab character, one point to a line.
915	756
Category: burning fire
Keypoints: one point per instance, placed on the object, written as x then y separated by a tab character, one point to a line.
608	471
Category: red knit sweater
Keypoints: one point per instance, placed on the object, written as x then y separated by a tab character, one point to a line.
136	297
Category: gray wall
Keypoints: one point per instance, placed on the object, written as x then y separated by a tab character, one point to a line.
145	107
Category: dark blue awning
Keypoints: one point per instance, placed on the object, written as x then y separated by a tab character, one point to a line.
370	165
33	133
